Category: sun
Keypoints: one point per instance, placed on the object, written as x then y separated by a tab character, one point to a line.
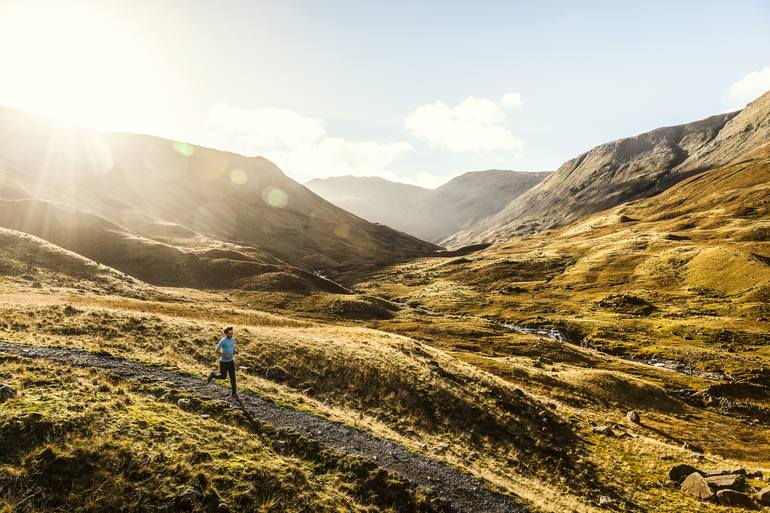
78	66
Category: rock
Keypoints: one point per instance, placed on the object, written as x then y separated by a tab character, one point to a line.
695	485
633	417
763	496
757	474
223	508
679	472
604	430
605	502
733	498
732	481
205	416
6	392
723	472
184	402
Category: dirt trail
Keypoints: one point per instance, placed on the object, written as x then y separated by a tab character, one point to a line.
459	491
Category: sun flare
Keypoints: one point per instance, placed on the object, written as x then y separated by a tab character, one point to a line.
84	67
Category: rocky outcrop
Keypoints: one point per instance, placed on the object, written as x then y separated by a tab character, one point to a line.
724	487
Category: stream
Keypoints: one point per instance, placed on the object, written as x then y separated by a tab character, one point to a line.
660	363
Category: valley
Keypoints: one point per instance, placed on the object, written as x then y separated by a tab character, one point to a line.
547	363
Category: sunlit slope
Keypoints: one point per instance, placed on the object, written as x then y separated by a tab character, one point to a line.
625	170
204	263
28	263
684	274
150	184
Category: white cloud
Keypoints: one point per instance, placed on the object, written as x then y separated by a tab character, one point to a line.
749	88
511	100
299	144
474	125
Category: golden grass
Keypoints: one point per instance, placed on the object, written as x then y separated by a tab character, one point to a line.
75	441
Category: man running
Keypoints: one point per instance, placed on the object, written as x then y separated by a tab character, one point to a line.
226	348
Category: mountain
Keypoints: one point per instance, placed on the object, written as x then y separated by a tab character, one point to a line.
185	197
375	199
431	215
625	170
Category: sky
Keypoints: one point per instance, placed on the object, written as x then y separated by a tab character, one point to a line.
418	92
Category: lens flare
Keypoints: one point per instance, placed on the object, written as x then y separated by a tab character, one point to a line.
238	176
275	197
342	230
184	149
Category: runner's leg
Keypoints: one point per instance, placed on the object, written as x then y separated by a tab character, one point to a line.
231	371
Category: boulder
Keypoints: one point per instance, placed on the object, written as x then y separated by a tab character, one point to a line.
677	473
604	430
695	485
763	496
633	417
6	392
733	498
732	481
605	501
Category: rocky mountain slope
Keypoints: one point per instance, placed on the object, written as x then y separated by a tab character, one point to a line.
625	170
431	215
180	195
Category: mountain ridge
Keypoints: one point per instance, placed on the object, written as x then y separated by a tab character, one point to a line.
623	170
430	214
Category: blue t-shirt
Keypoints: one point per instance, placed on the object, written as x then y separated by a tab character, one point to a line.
227	345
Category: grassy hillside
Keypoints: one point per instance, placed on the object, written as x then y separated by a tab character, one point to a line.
78	440
684	272
177	193
198	263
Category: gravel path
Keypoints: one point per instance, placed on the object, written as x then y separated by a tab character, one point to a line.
459	491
